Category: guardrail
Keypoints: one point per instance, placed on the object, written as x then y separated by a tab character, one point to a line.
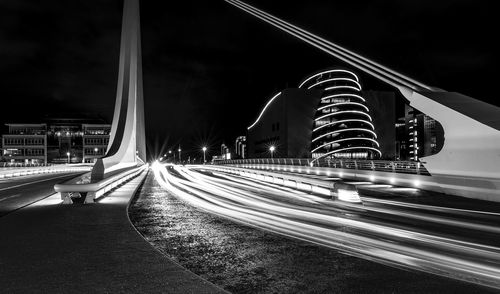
16	172
81	186
406	167
20	165
338	189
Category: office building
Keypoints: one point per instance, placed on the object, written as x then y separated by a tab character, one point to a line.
95	141
240	147
25	143
56	141
424	134
343	126
284	123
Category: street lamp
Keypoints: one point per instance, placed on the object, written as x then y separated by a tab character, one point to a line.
68	154
272	148
95	151
204	150
180	158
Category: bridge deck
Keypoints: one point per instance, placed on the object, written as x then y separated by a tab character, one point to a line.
50	248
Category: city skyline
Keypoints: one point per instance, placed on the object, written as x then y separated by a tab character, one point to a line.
197	72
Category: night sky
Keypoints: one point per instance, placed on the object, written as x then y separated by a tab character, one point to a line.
209	68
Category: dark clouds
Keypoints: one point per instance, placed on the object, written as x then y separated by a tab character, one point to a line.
209	68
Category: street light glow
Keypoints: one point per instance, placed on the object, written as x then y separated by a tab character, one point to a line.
204	151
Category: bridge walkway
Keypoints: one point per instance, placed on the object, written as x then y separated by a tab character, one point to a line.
52	248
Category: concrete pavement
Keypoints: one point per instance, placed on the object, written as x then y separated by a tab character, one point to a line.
53	248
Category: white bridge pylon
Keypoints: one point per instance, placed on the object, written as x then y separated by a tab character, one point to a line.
471	127
127	145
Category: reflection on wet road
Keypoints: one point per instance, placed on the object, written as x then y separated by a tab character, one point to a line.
456	243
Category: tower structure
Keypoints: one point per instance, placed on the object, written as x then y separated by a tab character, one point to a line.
343	127
127	146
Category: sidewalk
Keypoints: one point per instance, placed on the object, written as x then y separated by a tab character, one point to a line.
52	248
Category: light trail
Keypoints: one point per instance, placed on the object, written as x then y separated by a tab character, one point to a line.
347	230
430	207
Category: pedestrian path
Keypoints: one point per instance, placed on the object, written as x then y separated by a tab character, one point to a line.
52	248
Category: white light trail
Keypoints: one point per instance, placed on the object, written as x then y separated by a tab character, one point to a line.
324	225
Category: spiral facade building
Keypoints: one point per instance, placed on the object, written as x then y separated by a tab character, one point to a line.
342	127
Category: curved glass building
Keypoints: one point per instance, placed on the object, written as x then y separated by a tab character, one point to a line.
343	127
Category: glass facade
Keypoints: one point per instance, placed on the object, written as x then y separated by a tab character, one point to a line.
343	127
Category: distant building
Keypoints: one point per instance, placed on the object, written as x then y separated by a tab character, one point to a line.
327	116
425	135
225	152
240	147
95	141
285	122
25	143
343	126
51	142
401	139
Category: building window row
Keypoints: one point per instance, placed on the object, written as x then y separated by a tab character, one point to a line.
96	141
23	141
24	152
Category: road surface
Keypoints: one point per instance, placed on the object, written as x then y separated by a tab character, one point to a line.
18	192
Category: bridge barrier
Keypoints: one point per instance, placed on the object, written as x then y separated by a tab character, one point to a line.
11	172
81	186
406	167
404	174
339	190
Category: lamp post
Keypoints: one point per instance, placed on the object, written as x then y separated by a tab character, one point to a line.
272	148
204	151
180	158
69	159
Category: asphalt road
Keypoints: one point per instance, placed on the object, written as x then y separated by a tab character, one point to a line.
18	192
392	227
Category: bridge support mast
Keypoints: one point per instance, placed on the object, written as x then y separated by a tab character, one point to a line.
127	146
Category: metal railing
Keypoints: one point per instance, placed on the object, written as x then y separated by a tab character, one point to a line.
407	167
332	189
